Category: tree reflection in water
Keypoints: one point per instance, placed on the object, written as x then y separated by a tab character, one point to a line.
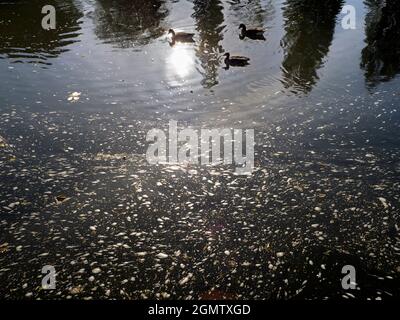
381	56
126	23
22	38
209	18
309	27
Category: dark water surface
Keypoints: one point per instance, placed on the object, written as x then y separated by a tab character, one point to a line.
76	104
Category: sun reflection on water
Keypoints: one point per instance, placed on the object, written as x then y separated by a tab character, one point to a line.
181	61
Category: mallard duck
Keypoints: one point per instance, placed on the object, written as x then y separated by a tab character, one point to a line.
253	33
235	61
180	36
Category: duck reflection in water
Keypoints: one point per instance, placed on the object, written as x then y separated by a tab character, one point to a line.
183	37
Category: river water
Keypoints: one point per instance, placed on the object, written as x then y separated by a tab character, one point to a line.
76	104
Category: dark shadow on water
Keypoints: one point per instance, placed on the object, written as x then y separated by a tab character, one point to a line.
309	27
22	38
325	280
127	23
209	24
381	56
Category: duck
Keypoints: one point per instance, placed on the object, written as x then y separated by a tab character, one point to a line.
235	61
253	33
180	36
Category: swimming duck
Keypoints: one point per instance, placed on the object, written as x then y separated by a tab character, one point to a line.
180	36
253	33
235	61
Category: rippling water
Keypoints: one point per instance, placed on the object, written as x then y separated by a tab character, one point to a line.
116	52
324	103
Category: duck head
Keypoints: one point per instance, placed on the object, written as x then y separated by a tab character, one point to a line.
242	27
171	32
227	55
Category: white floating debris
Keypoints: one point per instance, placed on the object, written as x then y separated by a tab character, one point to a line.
161	255
280	254
174	168
61	198
227	252
74	96
12	205
384	202
3	142
177	253
96	270
141	254
185	279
